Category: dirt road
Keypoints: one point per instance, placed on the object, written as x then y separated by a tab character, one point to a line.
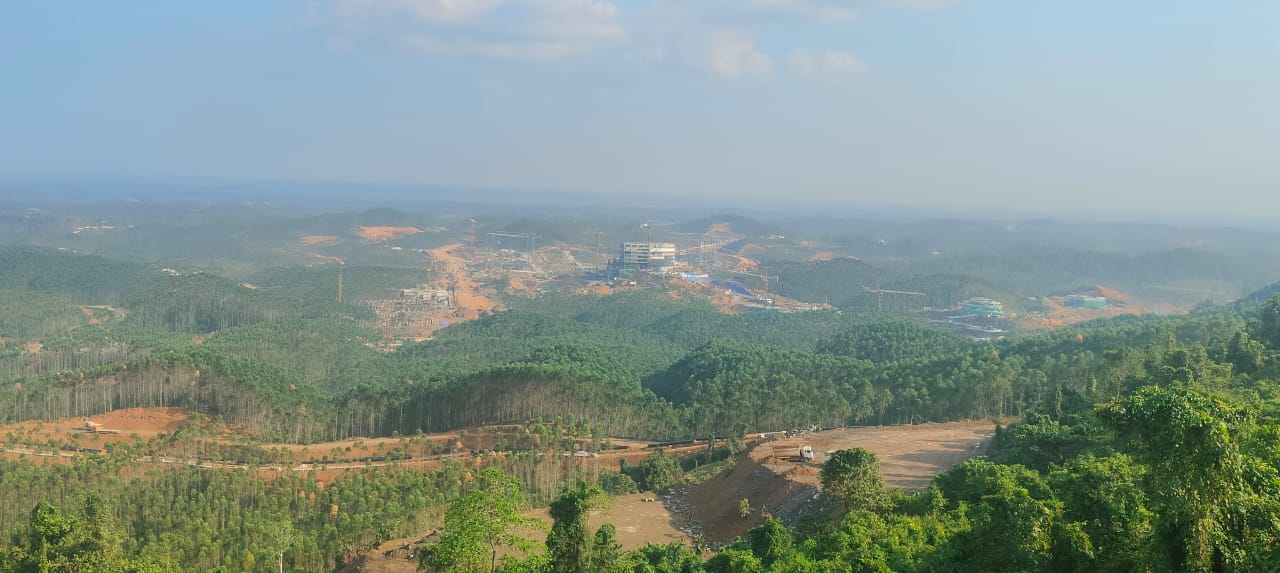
467	298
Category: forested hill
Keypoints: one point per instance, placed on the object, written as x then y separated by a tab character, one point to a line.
1012	273
640	364
87	279
1143	443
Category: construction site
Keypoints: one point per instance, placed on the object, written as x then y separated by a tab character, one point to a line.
471	278
468	280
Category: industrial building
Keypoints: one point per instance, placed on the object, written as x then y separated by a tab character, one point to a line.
983	306
1081	301
647	256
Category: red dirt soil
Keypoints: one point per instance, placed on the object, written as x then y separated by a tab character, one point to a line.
321	240
466	292
146	422
386	233
720	229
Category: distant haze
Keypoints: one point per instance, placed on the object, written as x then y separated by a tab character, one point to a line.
1135	109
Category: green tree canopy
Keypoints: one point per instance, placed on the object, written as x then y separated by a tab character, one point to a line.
852	477
480	524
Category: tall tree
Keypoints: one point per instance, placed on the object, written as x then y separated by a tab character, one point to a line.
852	477
1215	504
479	524
569	545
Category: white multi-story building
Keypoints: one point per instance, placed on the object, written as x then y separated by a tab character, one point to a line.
647	255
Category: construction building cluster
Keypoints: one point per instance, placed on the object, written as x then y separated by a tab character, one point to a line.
468	279
414	312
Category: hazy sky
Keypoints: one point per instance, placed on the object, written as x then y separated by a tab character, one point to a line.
1170	105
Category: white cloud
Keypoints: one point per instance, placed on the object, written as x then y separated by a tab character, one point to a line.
580	19
826	65
920	4
732	54
832	11
532	50
440	11
536	30
716	35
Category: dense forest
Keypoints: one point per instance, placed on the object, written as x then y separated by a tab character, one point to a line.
641	364
1092	476
109	518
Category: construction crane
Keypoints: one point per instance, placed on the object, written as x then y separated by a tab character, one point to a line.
599	260
702	246
531	240
881	292
650	224
766	279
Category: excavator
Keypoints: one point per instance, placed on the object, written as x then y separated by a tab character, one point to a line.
95	428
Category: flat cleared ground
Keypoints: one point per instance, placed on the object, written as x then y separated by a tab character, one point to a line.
773	484
321	240
386	233
145	422
909	455
637	521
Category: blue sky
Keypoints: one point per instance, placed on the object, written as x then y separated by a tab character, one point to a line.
1134	106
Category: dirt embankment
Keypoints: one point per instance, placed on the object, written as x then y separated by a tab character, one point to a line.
712	506
775	484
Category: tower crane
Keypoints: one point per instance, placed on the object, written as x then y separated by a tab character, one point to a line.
766	279
879	292
599	260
